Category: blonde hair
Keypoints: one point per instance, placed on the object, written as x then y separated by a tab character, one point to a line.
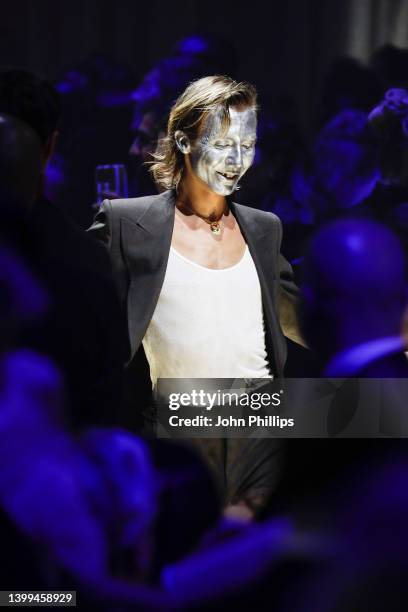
187	114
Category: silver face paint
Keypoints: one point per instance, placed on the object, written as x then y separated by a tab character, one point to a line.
220	158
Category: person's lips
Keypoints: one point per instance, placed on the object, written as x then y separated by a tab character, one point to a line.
229	176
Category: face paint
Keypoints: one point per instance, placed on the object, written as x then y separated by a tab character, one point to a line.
220	158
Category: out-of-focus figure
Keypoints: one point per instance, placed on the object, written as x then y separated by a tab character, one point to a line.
348	85
96	109
354	296
343	169
84	310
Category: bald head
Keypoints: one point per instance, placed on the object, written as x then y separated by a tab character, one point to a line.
354	275
20	163
356	258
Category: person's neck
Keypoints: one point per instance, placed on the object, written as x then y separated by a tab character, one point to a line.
193	195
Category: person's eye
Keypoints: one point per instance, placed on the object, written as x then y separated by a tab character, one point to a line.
220	145
248	146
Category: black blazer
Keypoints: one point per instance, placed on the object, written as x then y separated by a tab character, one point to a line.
138	232
82	330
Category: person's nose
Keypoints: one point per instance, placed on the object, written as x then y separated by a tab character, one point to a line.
234	158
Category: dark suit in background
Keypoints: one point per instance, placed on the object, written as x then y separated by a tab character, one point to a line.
82	330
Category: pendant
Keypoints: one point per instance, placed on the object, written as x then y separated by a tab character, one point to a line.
215	228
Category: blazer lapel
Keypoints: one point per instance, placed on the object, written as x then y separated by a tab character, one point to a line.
261	242
146	240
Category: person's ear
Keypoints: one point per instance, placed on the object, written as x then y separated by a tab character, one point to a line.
182	142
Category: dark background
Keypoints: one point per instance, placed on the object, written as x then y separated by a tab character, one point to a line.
284	46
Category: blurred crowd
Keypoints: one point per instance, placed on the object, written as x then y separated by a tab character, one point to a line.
86	502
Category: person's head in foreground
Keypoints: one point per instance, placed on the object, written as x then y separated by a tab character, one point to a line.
20	165
343	169
389	122
354	291
35	101
211	135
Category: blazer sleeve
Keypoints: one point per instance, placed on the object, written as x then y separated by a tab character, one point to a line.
106	229
114	337
101	228
288	297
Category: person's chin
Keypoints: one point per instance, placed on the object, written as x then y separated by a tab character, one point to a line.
224	190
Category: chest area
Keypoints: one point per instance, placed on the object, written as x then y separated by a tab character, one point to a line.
199	245
201	295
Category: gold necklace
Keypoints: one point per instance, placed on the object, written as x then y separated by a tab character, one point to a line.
212	222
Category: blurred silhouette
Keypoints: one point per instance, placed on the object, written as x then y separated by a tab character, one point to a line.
96	106
189	504
283	152
390	64
354	296
367	519
335	179
20	170
123	490
389	122
343	170
84	311
40	478
348	85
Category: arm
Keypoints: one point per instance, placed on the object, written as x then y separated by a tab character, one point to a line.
288	298
101	228
109	318
106	229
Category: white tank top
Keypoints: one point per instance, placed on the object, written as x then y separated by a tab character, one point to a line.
207	323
